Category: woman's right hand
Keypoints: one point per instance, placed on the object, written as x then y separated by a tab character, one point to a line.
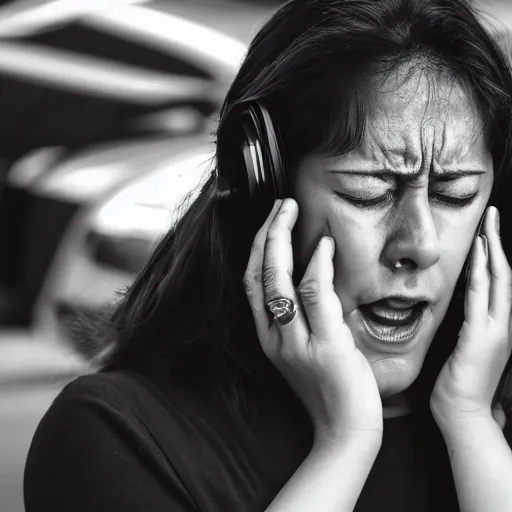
315	352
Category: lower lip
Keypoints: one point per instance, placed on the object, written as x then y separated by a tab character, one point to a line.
393	334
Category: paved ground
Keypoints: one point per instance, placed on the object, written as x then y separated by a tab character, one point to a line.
27	360
32	373
21	410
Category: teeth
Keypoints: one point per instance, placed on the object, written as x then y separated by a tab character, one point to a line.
396	304
391	314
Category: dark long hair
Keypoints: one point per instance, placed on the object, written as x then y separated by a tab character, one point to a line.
310	65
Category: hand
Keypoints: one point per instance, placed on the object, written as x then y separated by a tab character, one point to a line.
468	380
315	352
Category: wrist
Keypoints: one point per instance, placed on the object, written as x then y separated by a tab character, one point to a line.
457	429
450	417
366	443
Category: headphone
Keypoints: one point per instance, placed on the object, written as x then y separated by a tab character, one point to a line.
265	171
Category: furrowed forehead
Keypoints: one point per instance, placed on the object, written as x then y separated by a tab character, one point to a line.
416	109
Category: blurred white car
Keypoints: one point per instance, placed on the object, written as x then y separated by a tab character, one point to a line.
108	243
94	94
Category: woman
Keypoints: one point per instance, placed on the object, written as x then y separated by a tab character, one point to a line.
328	355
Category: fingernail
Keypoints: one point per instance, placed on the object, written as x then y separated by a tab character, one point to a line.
469	268
497	220
482	221
485	245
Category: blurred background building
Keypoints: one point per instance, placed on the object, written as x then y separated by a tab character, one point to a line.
107	113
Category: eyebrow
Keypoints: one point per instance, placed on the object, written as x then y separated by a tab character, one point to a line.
440	176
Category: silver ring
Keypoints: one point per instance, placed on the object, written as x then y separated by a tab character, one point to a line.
283	310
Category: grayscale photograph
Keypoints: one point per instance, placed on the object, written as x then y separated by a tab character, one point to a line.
256	255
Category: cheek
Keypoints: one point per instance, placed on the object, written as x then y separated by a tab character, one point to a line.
457	238
356	261
355	245
455	248
310	227
313	221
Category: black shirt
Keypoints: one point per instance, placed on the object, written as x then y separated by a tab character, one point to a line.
128	441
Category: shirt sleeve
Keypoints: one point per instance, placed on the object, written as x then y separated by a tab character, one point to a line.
91	452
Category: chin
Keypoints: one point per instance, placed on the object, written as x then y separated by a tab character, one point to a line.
394	374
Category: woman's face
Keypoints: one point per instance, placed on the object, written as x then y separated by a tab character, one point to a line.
413	192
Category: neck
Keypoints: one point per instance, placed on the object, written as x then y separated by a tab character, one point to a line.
395	411
396	405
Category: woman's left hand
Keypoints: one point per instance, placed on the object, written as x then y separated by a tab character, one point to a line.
467	383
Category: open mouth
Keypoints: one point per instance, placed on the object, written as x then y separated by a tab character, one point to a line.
391	324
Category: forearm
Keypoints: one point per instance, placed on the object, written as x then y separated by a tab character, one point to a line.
331	478
481	462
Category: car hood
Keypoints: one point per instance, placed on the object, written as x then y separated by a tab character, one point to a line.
92	174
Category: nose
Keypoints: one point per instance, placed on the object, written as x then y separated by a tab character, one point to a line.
413	240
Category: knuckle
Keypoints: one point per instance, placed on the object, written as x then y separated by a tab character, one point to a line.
309	292
497	331
269	278
478	284
290	353
271	241
248	282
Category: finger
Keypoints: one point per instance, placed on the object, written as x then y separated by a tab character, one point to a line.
277	270
316	289
253	279
477	295
500	297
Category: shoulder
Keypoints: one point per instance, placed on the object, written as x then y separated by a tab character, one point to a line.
119	388
119	397
106	432
93	397
113	411
106	385
131	407
93	410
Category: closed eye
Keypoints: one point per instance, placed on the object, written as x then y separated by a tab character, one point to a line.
444	199
361	202
454	200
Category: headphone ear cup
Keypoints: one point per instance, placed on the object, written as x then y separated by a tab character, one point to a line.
260	147
275	165
251	157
